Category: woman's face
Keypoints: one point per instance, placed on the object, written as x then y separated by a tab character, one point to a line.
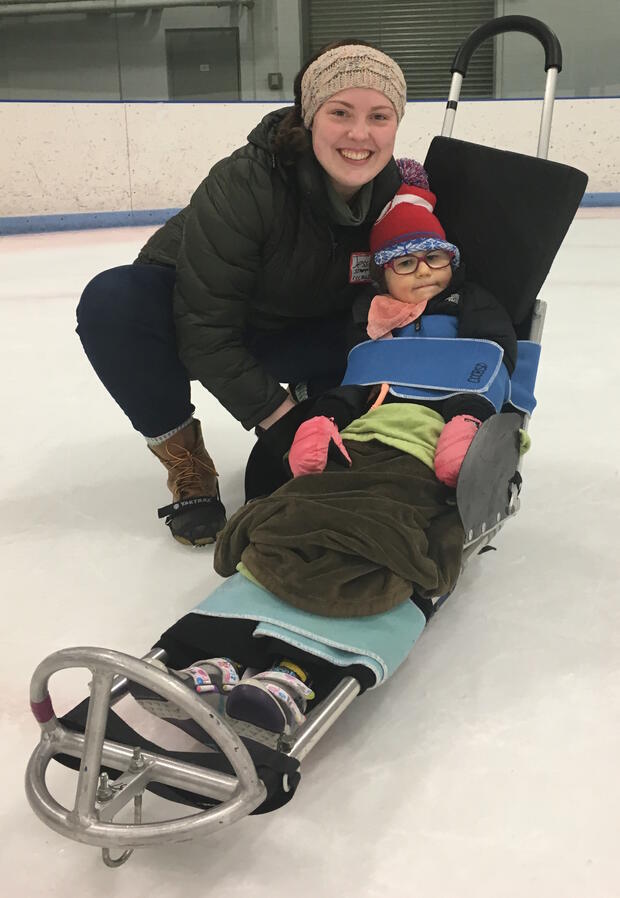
353	137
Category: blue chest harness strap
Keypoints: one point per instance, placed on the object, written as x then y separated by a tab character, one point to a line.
430	363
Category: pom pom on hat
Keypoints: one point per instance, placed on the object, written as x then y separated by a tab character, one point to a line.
412	173
408	225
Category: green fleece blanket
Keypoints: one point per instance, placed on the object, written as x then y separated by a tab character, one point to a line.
413	429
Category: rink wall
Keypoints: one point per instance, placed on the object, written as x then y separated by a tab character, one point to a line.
79	165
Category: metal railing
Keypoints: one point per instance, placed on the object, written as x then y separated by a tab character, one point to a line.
49	7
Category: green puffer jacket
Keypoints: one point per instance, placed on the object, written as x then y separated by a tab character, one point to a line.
257	247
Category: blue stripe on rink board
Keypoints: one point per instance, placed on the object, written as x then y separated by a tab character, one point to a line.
78	221
601	199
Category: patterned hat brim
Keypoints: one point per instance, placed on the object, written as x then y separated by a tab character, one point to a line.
416	245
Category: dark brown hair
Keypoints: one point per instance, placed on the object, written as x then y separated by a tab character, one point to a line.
292	137
377	274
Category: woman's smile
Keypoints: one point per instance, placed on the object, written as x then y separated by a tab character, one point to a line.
355	155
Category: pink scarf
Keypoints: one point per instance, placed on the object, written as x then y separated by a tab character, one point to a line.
387	313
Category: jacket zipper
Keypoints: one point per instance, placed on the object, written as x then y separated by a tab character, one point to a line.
334	245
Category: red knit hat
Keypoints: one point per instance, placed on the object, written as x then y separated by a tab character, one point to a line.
407	225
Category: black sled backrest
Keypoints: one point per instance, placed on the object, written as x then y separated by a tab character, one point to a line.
508	214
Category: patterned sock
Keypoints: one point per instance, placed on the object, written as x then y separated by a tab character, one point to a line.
156	441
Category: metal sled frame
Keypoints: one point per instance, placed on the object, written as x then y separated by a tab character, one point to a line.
99	799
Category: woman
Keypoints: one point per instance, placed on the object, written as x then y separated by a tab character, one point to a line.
252	284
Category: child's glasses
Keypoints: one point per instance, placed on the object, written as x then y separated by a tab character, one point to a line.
435	258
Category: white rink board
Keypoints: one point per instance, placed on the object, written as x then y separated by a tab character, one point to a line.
112	157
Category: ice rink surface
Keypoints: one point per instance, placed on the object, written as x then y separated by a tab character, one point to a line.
488	767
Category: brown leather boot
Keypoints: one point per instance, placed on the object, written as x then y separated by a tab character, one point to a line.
196	514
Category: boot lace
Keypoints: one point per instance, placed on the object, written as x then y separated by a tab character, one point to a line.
189	470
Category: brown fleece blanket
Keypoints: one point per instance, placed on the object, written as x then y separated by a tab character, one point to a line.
350	542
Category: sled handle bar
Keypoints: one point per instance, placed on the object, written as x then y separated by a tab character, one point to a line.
501	25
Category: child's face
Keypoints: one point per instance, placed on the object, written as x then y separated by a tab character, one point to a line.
419	285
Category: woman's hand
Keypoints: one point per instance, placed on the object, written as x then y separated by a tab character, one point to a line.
316	441
452	445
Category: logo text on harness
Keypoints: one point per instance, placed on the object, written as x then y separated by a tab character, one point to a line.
477	373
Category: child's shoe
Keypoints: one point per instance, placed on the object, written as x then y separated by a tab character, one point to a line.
274	700
213	679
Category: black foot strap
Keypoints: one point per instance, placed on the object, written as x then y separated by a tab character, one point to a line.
271	766
171	511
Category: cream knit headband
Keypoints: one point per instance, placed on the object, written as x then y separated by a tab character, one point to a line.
353	65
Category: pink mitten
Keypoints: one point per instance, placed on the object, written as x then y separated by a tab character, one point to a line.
454	441
315	441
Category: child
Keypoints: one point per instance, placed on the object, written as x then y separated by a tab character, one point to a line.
420	275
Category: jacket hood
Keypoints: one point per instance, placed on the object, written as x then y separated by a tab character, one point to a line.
262	135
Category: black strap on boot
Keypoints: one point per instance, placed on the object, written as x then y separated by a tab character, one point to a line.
171	511
195	521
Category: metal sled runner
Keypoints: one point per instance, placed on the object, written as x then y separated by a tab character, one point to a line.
234	776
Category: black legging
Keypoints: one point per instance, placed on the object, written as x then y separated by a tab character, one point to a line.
127	330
